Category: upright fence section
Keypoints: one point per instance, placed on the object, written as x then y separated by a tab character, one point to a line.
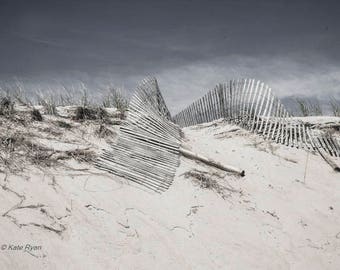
251	104
147	149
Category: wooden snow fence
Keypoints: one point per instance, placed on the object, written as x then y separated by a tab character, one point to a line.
147	149
252	105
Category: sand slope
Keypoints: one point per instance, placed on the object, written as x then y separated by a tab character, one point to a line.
284	214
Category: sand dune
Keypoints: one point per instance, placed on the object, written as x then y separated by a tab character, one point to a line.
284	214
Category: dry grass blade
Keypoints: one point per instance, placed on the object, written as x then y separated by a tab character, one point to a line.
6	106
335	106
116	99
82	155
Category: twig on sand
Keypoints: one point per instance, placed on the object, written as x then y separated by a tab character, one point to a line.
304	176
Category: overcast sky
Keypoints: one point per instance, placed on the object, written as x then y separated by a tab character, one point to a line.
294	46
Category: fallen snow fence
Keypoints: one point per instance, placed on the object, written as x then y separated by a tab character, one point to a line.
147	150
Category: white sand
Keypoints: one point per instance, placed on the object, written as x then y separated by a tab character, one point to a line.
83	218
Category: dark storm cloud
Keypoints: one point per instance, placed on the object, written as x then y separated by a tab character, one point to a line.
200	41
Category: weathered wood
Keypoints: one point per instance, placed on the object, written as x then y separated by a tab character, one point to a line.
333	146
262	96
244	99
231	99
247	113
252	105
278	125
262	102
147	149
267	114
273	123
210	162
238	90
251	111
335	166
244	94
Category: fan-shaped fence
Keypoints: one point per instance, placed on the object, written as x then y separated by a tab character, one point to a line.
252	105
147	149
